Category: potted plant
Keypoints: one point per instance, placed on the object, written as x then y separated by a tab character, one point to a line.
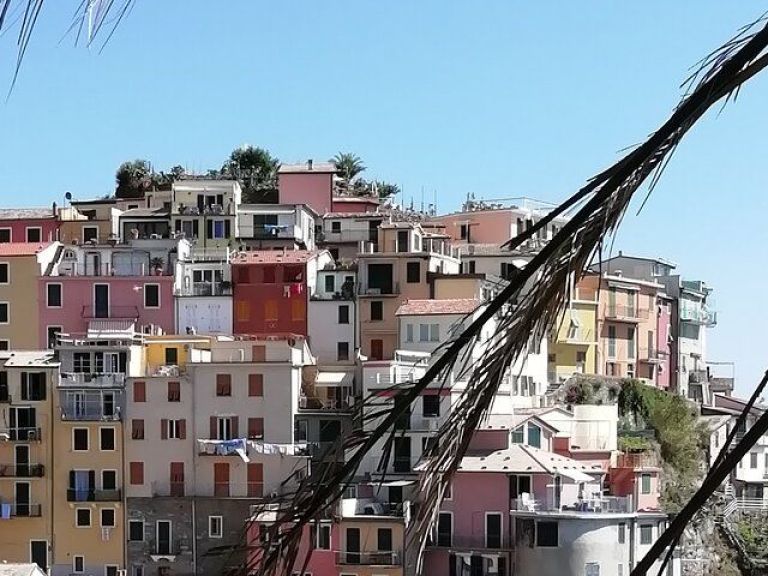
157	264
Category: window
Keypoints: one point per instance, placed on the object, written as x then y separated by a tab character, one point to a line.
434	332
34	234
377	310
335	226
136	473
322	536
631	342
83	517
174	391
80	439
243	311
534	436
413	272
4	312
223	385
423	332
224	428
53	335
592	569
342	351
109	480
645	483
106	439
215	526
256	385
151	296
139	391
518	435
547	534
5	235
622	532
445	529
255	428
646	534
4	273
298	310
138	570
430	404
175	429
344	314
409	332
330	283
493	530
33	386
136	530
753	459
110	569
270	311
581	357
107	517
137	429
217	229
384	539
53	297
90	233
463	231
78	564
5	345
611	342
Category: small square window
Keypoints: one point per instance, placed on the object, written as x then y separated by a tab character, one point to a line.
413	272
5	345
53	295
5	235
335	226
136	530
83	517
344	314
646	534
215	526
4	313
80	439
90	233
377	310
342	351
34	234
107	517
151	296
547	534
106	439
431	405
5	273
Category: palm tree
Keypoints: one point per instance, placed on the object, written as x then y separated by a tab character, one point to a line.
349	166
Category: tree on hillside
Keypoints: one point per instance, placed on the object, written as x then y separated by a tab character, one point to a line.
385	190
133	179
349	166
256	169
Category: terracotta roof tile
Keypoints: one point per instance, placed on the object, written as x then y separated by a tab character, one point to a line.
22	248
426	307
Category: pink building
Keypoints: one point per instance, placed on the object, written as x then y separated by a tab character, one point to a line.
664	341
310	183
354	204
29	224
637	475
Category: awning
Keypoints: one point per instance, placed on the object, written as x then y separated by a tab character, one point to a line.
334	379
573	474
396	483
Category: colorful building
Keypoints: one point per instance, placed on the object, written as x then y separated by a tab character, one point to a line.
29	225
311	183
206	211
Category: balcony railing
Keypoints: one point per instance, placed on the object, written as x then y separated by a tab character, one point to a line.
391	290
90	413
21	434
602	505
621	312
136	269
92	495
361	235
22	470
279	231
325	404
165	370
111	312
369	559
652	356
698	315
222	288
95	380
210	210
21	510
231	490
469	542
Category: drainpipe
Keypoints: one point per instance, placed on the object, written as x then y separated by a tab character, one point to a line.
191	374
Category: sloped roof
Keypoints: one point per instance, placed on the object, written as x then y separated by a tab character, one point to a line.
26	213
512	421
22	248
428	307
20	570
518	458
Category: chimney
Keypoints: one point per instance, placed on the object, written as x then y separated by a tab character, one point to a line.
53	208
310	164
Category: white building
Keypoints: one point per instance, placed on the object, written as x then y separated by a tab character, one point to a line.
276	225
203	292
332	317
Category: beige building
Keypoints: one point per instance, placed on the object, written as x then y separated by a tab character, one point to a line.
21	264
398	268
26	454
88	477
91	221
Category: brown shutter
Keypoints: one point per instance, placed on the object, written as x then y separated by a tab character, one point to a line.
183	429
235	431
214	428
256	385
259	354
139	391
255	480
137	472
164	429
255	427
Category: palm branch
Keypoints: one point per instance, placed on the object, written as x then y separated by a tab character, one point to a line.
524	310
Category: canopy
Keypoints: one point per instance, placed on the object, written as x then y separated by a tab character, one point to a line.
573	474
333	379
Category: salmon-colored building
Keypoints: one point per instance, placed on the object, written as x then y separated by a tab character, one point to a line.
29	225
272	289
309	183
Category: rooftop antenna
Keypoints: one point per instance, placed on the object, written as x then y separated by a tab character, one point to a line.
422	199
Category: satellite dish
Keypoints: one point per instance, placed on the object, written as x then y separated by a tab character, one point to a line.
68	195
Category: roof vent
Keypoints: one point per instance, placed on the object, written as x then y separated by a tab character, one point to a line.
310	164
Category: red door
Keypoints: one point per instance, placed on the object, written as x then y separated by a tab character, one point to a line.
377	349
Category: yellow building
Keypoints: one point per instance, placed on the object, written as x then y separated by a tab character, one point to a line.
26	407
573	341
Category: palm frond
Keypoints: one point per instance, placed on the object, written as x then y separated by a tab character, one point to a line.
524	310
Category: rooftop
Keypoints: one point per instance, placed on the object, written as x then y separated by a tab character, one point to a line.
7	569
365	215
512	421
22	248
518	458
26	213
356	199
273	257
145	213
308	167
429	307
25	358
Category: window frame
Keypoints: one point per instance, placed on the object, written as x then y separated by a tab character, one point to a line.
7	273
343	319
82	232
146	292
220	534
643	478
548	522
114	439
501	529
7	306
101	517
135	521
448	513
339	356
26	234
48	295
77	517
10	235
379	317
87	439
409	275
648	527
75	558
101	478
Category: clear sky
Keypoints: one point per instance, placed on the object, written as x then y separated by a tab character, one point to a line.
501	98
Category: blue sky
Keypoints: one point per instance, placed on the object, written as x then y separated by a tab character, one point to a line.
499	98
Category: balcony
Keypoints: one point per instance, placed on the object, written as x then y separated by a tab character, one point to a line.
20	510
698	315
651	356
169	489
209	210
92	495
223	288
578	336
231	490
623	313
276	232
110	313
601	505
21	434
328	236
316	404
92	380
369	559
469	542
392	289
165	370
22	470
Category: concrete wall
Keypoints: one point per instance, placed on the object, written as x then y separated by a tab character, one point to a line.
314	190
206	314
49	228
325	331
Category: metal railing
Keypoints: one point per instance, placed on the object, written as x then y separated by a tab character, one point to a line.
360	235
106	269
21	510
96	380
223	288
324	404
469	541
22	470
392	290
369	558
652	355
619	311
165	370
698	315
92	495
602	505
21	434
639	460
111	312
